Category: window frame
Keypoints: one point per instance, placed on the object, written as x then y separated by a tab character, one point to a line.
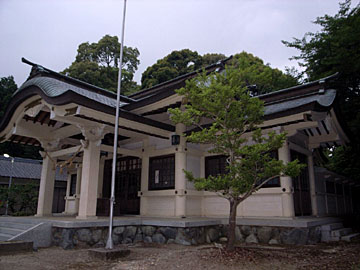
165	165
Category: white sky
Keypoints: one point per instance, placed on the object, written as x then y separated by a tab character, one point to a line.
49	32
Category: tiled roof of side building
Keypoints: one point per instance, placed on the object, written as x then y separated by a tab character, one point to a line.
26	168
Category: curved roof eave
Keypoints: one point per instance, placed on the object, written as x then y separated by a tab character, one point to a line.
68	97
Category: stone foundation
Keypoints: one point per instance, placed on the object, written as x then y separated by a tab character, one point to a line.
69	238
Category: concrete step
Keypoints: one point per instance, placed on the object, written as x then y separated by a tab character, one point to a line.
350	237
14	247
341	232
5	237
16	225
332	226
10	231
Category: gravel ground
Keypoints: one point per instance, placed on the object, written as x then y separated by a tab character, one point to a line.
167	257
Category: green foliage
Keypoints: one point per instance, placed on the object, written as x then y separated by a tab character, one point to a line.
232	117
22	199
223	99
173	65
253	68
98	64
336	48
345	161
7	88
255	72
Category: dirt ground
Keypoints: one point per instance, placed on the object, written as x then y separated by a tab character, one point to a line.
167	257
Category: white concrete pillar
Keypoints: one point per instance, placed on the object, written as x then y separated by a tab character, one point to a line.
286	183
101	177
90	172
144	177
78	187
314	207
46	190
180	179
68	183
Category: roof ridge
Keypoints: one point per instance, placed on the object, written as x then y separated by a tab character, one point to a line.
42	69
220	62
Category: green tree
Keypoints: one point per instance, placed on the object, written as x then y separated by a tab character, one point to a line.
181	62
7	88
254	72
173	65
98	64
224	99
22	199
211	58
336	48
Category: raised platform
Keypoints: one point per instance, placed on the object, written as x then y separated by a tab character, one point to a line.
69	232
72	222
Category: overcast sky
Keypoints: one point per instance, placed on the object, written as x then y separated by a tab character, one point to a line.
49	32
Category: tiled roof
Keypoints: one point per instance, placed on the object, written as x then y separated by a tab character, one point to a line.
325	99
25	168
54	87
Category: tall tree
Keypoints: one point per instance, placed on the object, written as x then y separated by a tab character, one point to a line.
224	99
262	77
7	88
181	62
336	48
173	65
98	64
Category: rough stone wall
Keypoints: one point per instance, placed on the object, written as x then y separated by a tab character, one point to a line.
68	238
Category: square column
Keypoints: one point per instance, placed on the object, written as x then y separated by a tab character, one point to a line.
46	190
67	199
180	179
286	183
314	207
78	187
144	177
101	177
90	172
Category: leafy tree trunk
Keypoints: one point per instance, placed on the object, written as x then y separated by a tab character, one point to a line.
232	224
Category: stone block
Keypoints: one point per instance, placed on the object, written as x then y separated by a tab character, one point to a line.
251	239
138	238
67	236
96	236
238	236
130	232
147	239
119	230
148	230
169	233
212	235
158	238
264	234
84	235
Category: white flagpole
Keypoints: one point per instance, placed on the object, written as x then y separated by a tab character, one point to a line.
110	243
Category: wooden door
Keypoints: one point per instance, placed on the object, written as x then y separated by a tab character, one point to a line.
302	197
127	185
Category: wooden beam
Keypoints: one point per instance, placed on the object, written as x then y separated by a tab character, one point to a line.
122	151
64	152
133	125
65	132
